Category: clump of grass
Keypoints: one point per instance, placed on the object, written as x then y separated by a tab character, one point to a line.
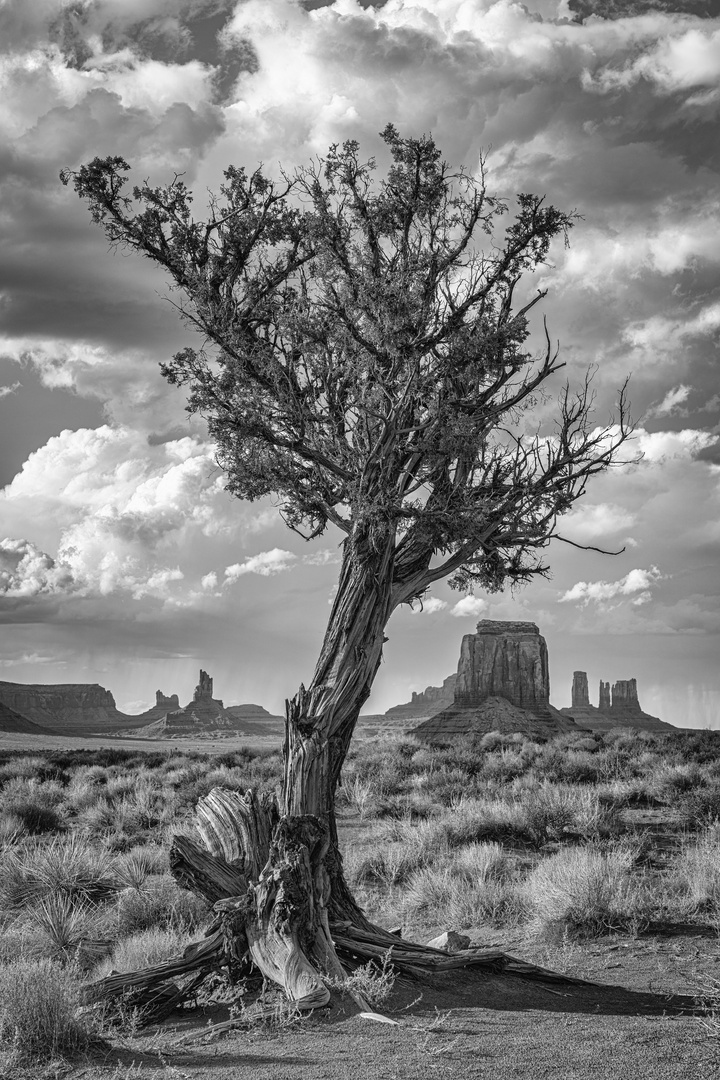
38	1004
35	816
161	903
144	949
700	807
374	980
695	876
583	891
62	930
442	896
65	865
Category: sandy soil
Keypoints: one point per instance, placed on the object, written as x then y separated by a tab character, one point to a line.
635	1023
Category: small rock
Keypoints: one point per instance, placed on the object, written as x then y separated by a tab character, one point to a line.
450	941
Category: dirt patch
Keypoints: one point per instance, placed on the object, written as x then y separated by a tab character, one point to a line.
638	1022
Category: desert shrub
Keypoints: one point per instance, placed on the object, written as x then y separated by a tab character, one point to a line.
139	863
581	766
60	929
504	764
384	864
34	814
413	805
694	877
480	862
492	819
669	781
65	865
12	829
22	766
583	891
443	785
700	807
38	1003
361	796
160	903
146	948
441	896
549	810
374	980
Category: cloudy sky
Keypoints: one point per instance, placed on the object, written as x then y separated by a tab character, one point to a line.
122	558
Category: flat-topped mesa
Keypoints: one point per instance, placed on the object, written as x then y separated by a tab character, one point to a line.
604	700
502	684
625	696
580	691
65	708
504	659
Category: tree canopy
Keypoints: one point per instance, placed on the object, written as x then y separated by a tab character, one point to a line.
364	360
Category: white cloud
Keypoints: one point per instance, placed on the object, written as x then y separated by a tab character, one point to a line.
266	563
635	583
325	557
26	571
674	398
430	606
660	447
469	605
590	521
687	59
9	389
209	581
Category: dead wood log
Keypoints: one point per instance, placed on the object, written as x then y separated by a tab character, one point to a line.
267	878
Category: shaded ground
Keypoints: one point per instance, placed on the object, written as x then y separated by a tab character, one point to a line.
471	1025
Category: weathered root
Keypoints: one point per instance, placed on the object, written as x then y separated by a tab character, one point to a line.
268	881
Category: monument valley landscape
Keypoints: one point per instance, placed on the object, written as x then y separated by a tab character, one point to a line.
577	865
351	347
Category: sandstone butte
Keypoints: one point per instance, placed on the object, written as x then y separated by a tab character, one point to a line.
90	709
502	684
618	707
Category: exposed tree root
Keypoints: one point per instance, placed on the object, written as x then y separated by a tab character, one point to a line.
267	880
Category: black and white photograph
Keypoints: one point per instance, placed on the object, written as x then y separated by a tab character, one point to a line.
359	539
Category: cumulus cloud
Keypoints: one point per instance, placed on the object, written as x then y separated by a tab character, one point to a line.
266	564
469	605
27	571
5	391
118	515
615	117
637	584
429	606
591	521
672	401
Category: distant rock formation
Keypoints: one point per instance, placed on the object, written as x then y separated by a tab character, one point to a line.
502	684
64	708
617	708
89	709
163	702
580	692
604	703
204	689
13	721
625	695
204	717
433	699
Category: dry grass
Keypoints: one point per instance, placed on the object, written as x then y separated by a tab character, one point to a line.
38	1003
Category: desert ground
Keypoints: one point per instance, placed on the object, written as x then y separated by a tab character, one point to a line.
594	857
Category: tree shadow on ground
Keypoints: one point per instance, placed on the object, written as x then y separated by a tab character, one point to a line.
468	989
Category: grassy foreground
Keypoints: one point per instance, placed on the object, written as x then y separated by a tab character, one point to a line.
561	843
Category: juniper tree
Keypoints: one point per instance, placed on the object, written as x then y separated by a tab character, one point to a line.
365	361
